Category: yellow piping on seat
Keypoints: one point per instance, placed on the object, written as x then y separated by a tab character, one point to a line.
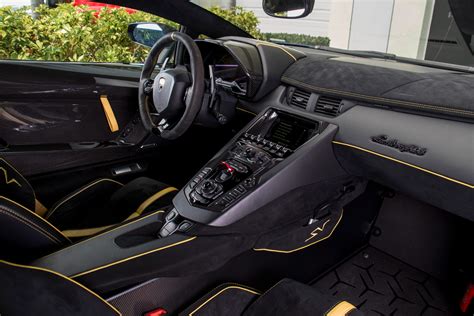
79	191
85	232
42	219
341	309
66	278
220	292
40	209
150	201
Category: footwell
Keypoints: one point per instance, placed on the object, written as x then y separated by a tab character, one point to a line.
382	285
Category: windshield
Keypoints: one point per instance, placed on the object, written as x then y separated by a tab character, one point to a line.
420	29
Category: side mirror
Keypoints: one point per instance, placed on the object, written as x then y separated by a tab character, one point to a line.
288	9
147	34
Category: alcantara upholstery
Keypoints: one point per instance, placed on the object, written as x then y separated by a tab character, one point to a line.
28	231
287	297
31	290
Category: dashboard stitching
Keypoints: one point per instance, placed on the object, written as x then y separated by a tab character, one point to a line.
276	46
406	103
471	186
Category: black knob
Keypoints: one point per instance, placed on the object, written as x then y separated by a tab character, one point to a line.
209	187
249	152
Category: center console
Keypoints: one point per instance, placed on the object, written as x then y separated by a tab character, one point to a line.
270	140
237	170
280	154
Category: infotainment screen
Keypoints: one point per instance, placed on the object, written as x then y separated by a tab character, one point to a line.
291	131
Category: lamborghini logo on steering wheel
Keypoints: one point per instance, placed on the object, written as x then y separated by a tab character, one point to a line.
161	83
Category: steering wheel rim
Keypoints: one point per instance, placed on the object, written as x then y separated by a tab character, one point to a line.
171	85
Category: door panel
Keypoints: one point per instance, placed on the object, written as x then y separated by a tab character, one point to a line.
52	103
52	118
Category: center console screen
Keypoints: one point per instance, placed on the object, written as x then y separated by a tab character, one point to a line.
291	131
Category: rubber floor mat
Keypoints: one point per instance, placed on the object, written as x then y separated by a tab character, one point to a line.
379	284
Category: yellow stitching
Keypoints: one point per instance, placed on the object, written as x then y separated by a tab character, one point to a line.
407	103
34	214
276	46
21	176
75	193
133	257
109	231
404	163
246	111
66	278
12	180
306	246
30	224
152	199
317	230
219	293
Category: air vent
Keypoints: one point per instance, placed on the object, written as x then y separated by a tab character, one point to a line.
328	105
300	98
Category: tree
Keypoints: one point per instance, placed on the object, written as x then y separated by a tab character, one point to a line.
34	5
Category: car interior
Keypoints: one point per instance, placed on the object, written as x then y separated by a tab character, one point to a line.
234	176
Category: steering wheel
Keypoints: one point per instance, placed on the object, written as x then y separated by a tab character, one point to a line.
169	103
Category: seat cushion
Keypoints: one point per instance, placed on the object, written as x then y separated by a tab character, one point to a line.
107	202
27	290
287	297
25	235
228	299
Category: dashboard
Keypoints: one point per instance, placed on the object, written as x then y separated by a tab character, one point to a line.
394	121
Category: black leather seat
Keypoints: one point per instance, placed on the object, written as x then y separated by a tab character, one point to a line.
29	230
27	288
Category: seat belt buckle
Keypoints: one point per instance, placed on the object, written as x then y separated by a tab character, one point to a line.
467	299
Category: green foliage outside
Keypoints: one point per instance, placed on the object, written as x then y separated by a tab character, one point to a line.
298	38
69	33
246	20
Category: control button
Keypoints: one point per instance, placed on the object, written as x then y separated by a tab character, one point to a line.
224	176
196	197
249	152
167	229
236	192
207	170
249	182
184	226
171	215
227	198
240	188
233	194
192	185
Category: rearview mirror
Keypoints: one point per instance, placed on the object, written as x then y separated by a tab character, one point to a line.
288	9
148	34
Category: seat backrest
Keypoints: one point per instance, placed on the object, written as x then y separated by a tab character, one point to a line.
15	187
31	290
24	235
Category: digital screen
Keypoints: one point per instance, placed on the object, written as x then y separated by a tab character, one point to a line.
290	131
